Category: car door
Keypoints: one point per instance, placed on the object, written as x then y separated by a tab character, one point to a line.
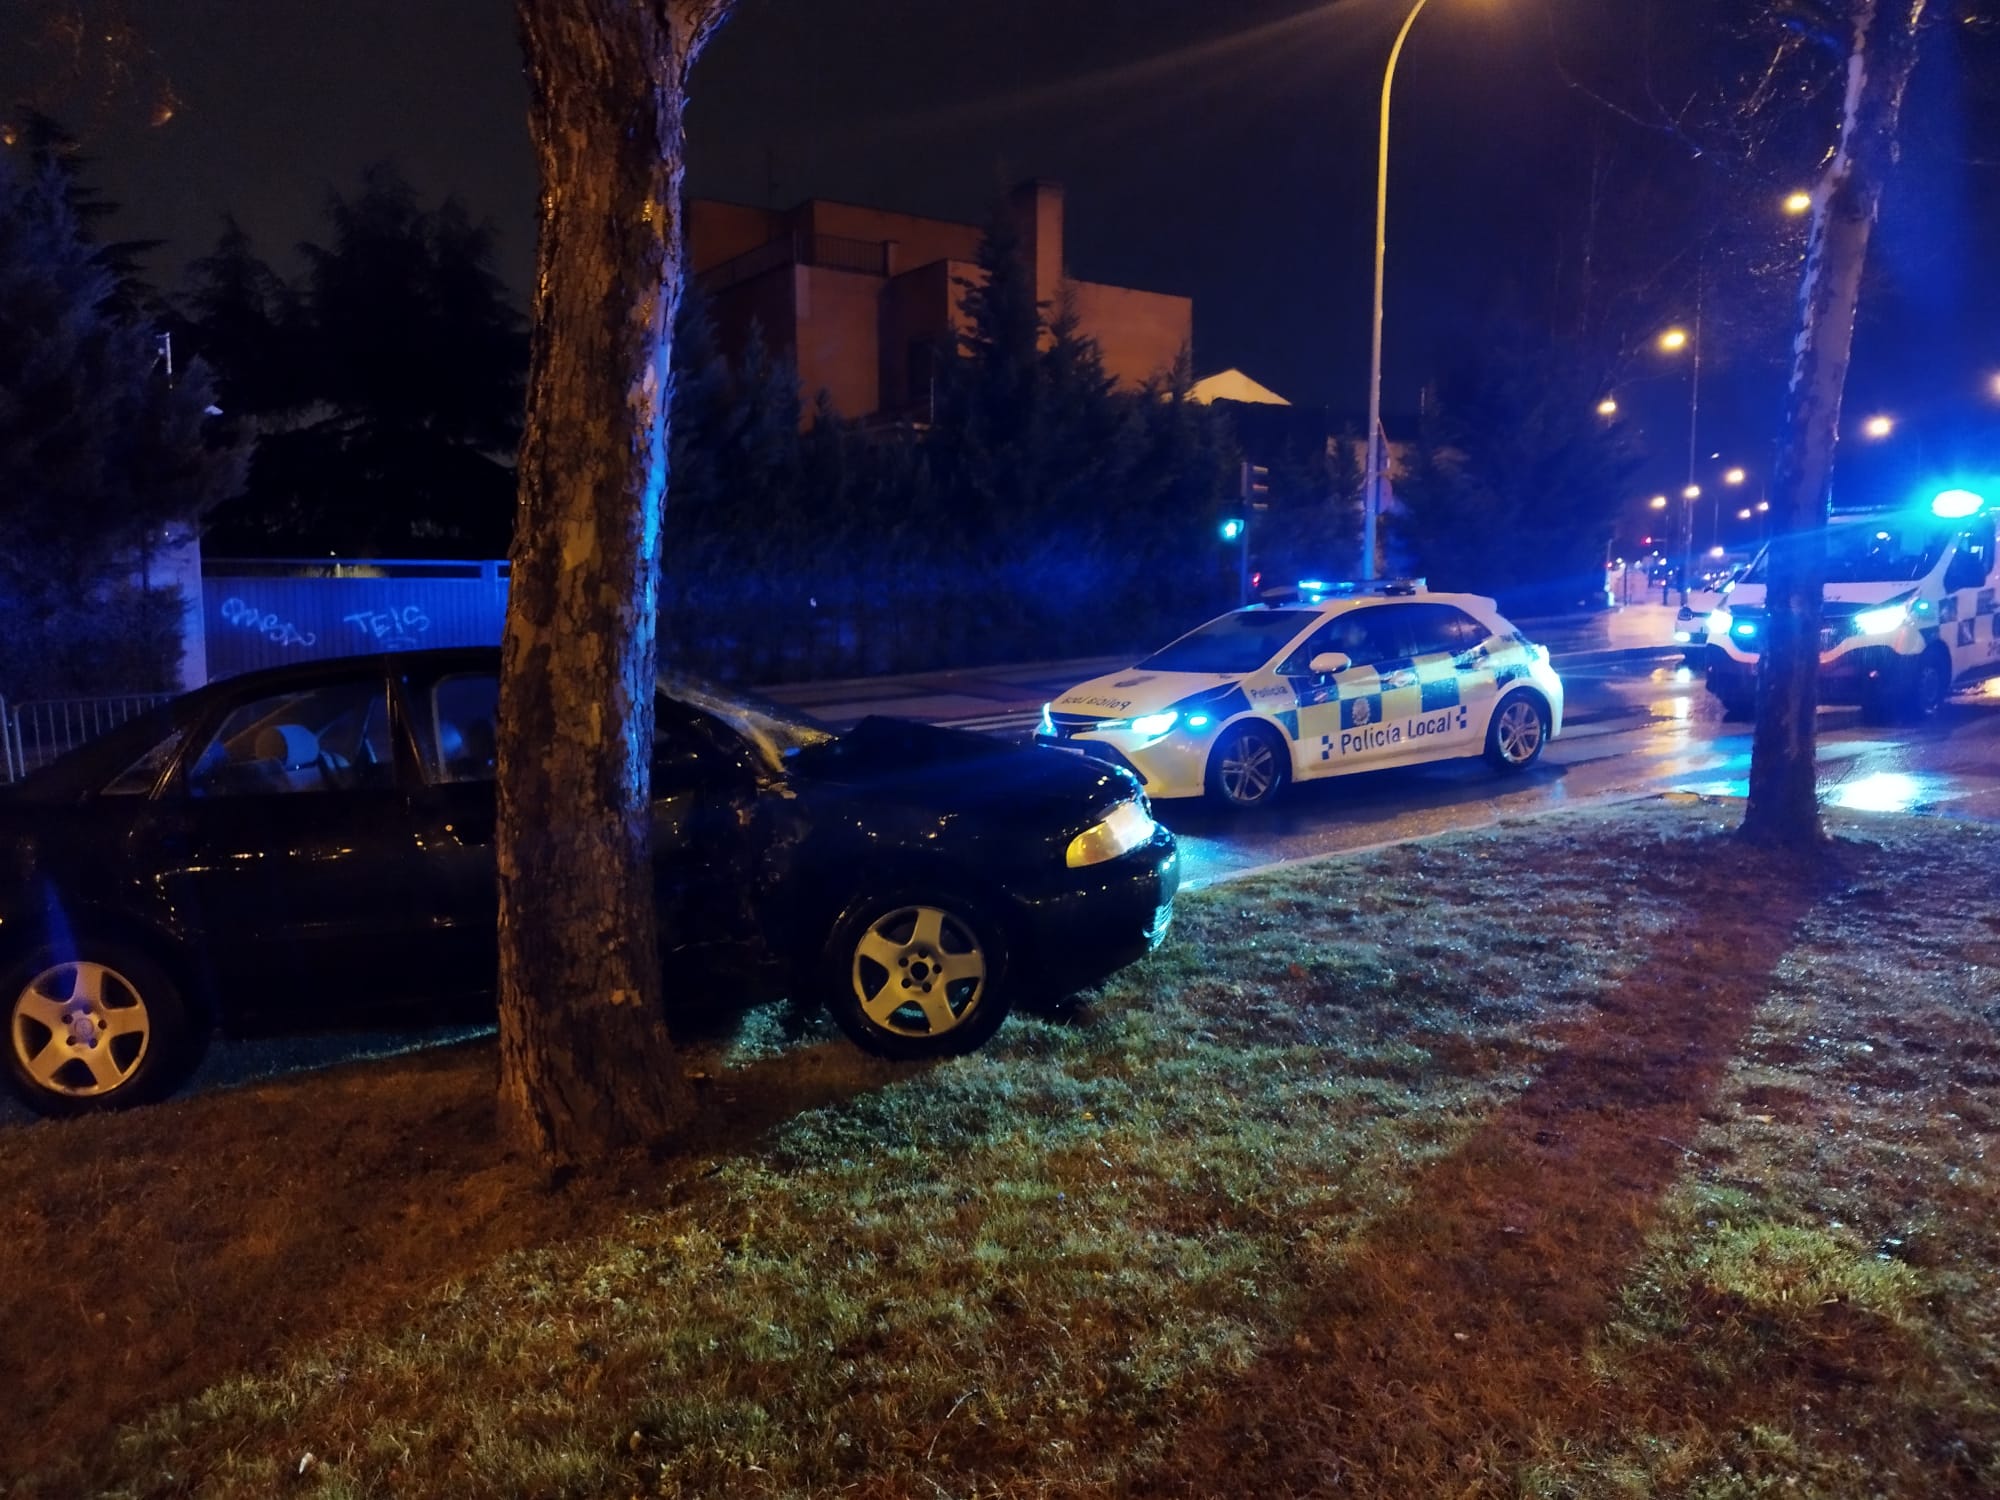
1968	622
705	829
284	840
1345	721
1455	680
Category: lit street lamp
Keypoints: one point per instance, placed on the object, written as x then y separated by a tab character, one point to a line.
1674	340
1798	203
1371	508
1608	407
1734	476
1692	492
1658	502
1879	427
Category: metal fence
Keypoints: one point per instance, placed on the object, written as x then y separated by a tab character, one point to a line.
33	734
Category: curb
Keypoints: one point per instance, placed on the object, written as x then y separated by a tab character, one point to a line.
1270	867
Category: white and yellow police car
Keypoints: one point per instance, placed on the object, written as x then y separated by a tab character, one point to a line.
1909	612
1341	678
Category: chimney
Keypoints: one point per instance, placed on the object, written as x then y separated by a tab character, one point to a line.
1038	210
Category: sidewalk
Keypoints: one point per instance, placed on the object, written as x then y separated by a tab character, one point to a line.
1011	697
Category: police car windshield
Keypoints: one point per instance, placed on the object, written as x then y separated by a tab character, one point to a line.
1234	644
1874	551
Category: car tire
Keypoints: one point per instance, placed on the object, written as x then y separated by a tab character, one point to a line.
1248	766
94	1024
1517	732
912	974
1929	686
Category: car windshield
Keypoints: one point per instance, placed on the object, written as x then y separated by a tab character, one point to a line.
1235	644
1873	552
777	731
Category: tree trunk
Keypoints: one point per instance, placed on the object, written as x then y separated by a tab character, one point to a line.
586	1064
1783	807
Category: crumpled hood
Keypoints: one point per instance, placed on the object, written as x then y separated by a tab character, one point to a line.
951	770
1122	695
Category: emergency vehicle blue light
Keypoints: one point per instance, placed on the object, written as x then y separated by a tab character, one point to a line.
1232	529
1955	505
1198	721
1312	585
1744	627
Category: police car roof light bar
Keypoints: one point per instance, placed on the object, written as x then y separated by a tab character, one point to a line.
1346	586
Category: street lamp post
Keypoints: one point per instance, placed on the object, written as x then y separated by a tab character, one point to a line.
1371	508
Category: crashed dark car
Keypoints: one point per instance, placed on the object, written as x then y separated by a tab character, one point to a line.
311	847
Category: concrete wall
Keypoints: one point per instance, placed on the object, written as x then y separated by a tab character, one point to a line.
918	241
915	308
718	231
1141	333
836	337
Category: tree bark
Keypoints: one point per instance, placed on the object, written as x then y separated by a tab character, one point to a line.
586	1064
1783	807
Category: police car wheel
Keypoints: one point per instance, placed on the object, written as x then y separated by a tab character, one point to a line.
1519	729
1248	767
1930	685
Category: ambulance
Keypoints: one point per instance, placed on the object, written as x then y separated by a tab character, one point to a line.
1908	616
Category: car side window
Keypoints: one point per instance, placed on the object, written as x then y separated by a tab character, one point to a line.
1972	563
329	738
1439	630
137	779
1372	635
463	733
1299	663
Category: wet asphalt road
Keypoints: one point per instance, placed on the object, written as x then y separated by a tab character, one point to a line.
1630	729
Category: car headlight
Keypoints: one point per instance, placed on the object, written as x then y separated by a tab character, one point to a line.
1125	828
1048	721
1884	621
1152	726
1718	621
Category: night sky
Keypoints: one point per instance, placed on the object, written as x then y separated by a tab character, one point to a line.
1225	152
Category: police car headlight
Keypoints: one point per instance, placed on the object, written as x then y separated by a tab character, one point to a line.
1125	828
1884	621
1152	726
1719	621
1048	721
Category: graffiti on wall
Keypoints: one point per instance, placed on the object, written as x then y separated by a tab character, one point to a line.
393	629
278	632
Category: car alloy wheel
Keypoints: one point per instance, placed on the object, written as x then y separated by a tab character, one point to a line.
80	1030
919	971
1518	733
1247	771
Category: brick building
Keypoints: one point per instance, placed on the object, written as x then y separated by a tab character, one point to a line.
860	297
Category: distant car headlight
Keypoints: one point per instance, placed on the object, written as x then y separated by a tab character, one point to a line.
1718	621
1125	828
1884	621
1152	726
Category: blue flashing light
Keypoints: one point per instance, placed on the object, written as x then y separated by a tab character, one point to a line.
1744	628
1312	585
1956	505
1232	529
1199	721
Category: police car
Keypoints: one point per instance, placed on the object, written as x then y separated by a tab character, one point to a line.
1908	613
1337	679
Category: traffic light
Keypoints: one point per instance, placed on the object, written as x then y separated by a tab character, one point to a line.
1255	485
1232	529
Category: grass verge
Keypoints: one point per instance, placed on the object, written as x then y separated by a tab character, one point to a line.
1595	1156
